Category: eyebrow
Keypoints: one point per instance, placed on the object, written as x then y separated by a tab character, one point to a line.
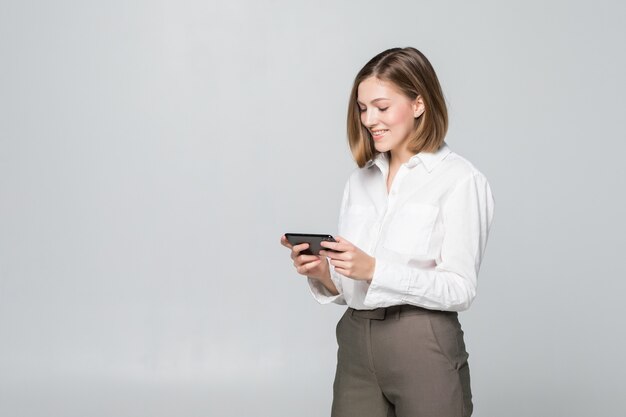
376	99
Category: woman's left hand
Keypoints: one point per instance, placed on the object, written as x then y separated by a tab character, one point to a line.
350	261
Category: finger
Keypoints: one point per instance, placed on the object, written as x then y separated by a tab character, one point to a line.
303	269
344	265
302	259
333	255
341	239
299	248
337	246
285	242
295	254
344	245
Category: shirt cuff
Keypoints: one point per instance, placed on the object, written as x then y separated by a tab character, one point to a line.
321	293
386	288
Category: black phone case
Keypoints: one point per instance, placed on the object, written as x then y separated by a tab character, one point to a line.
312	239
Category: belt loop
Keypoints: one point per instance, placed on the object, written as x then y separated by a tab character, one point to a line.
398	313
351	311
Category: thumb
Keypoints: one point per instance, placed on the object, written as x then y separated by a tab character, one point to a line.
343	240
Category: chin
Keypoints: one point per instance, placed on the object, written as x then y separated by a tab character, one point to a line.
380	147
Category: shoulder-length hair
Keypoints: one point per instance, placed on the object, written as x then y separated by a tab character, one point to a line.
412	74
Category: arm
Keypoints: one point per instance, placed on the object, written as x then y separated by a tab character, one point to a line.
467	215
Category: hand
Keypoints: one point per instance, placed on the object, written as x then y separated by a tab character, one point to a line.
350	261
312	266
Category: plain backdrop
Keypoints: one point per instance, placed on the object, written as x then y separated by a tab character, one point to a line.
153	152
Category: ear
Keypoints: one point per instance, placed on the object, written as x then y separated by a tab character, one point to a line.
418	106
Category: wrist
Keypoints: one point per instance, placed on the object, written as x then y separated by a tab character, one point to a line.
372	270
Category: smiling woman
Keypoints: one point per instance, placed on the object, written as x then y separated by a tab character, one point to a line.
413	225
391	119
405	89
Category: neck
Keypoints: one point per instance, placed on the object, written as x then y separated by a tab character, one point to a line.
398	157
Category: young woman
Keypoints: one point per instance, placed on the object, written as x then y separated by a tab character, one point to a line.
413	228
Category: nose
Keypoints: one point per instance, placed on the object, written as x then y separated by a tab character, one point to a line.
370	118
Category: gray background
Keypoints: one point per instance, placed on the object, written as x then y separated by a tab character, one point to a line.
152	153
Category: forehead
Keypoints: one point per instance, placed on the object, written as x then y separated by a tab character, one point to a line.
372	88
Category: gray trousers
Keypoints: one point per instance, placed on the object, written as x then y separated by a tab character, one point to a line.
401	361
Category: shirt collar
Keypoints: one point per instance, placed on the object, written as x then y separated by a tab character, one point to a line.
429	159
380	159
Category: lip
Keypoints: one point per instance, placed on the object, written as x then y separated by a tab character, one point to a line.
378	137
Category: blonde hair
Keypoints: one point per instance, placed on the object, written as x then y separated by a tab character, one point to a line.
412	74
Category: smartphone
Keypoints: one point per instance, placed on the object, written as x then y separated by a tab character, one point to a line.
312	239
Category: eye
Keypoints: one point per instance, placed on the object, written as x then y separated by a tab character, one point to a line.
362	110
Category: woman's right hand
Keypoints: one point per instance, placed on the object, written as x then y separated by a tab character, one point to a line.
312	266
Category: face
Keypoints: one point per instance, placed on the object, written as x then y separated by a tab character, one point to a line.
387	113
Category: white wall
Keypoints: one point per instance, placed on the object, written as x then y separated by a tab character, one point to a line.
152	153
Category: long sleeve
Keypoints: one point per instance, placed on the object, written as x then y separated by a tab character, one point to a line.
467	215
319	292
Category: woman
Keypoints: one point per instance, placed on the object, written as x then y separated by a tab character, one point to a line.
413	228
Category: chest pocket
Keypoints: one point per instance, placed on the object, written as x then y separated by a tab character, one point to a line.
410	229
356	222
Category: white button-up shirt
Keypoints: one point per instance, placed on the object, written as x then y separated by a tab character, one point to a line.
428	234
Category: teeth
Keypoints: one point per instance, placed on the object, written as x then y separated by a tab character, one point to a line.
378	132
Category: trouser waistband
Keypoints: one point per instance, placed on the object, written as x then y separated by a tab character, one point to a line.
382	313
